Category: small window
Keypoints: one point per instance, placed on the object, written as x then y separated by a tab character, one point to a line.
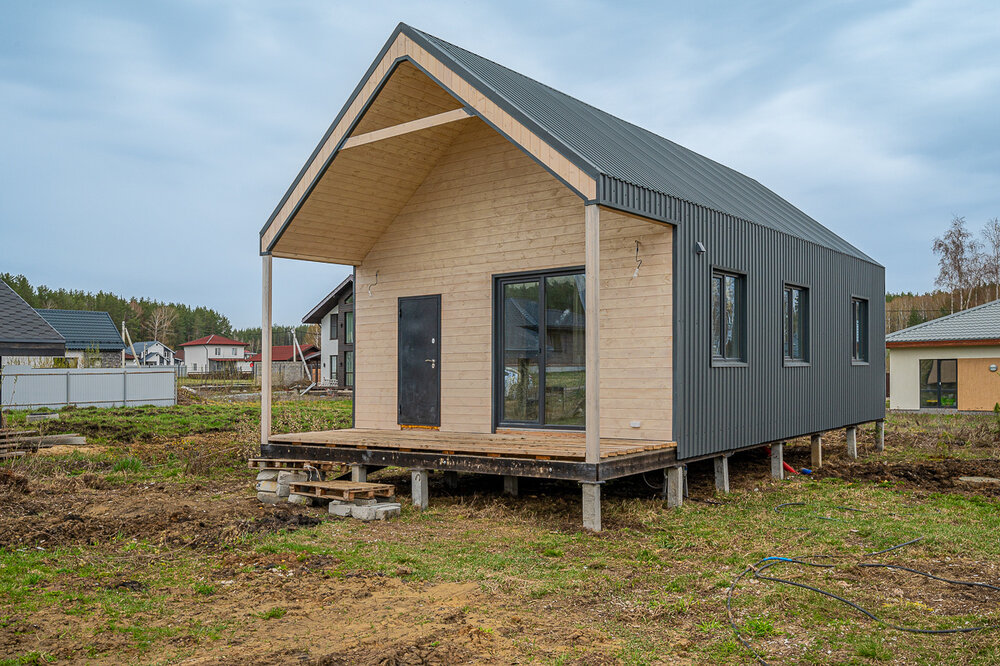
349	369
333	327
349	327
728	317
234	351
216	351
795	308
859	326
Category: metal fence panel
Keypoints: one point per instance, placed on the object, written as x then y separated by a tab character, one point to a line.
32	388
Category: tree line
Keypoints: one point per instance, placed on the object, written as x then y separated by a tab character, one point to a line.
968	275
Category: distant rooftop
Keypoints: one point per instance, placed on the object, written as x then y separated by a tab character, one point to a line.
85	329
978	323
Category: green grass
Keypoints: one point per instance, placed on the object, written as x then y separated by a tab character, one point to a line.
275	613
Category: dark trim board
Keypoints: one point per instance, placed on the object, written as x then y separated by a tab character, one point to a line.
605	470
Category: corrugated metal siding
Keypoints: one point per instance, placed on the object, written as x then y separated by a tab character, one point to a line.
722	408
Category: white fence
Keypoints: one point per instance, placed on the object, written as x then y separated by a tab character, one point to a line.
31	388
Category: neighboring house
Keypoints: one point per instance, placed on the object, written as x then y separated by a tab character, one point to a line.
288	354
152	353
215	354
335	315
92	339
949	363
716	316
24	334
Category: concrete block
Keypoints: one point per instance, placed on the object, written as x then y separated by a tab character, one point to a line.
675	487
343	510
387	510
451	480
852	443
305	500
880	436
366	502
268	475
418	477
268	498
510	486
268	487
363	512
359	474
591	506
722	474
778	461
816	444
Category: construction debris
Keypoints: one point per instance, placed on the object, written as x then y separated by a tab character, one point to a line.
16	443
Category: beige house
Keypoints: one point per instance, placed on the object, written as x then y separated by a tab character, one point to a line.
951	363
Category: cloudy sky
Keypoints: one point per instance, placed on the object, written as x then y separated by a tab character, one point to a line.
144	144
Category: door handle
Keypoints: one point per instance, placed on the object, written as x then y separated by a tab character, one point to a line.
432	361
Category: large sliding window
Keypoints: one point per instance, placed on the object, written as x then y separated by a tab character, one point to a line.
939	383
728	317
795	306
541	352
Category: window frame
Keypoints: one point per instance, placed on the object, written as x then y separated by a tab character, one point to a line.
740	319
864	344
499	280
806	325
333	325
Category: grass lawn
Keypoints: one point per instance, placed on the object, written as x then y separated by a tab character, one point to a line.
123	552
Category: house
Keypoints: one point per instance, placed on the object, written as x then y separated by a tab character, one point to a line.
546	290
215	354
152	352
949	363
92	339
286	364
23	332
335	315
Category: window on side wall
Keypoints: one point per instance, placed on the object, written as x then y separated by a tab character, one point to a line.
333	326
795	316
728	308
859	327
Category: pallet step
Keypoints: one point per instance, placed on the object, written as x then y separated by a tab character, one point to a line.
291	463
343	490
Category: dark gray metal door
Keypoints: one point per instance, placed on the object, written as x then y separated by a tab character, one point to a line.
419	384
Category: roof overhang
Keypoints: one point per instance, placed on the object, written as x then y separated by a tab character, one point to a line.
31	348
402	116
903	344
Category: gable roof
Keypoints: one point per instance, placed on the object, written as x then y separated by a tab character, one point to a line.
85	329
215	340
23	332
141	347
316	315
634	169
286	353
979	323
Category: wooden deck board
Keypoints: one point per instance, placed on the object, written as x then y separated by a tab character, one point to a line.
540	445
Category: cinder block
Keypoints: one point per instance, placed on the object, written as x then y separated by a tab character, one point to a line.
343	510
387	510
268	487
296	476
366	502
268	498
363	512
268	475
299	499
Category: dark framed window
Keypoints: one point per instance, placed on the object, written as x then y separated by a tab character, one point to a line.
795	315
859	328
540	357
728	316
349	327
333	326
348	369
939	383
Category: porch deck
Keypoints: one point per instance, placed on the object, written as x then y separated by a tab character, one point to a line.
559	455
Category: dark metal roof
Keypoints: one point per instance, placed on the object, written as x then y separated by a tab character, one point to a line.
22	331
84	329
635	169
316	315
979	323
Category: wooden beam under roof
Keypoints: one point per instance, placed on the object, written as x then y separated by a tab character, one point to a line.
407	128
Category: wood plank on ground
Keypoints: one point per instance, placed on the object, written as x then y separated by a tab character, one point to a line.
343	490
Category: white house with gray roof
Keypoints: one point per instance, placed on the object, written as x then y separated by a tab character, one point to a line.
951	363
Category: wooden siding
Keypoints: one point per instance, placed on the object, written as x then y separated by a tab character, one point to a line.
486	209
978	388
413	96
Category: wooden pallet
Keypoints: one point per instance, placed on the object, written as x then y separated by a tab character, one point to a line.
290	463
343	490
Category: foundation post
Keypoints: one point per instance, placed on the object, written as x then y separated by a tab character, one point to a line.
675	487
359	474
852	442
777	461
816	441
510	486
880	436
591	506
451	480
265	352
418	478
722	474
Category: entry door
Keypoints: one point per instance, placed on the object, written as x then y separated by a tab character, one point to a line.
419	386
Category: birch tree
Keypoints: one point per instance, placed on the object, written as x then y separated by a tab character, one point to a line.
959	262
991	255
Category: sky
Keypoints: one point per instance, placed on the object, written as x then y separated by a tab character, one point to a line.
144	144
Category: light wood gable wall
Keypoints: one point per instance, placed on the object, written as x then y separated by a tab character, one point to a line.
350	205
486	208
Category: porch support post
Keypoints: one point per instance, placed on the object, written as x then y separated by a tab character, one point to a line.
722	474
451	480
359	473
510	485
880	436
778	461
816	442
675	487
852	442
591	506
593	306
265	349
418	478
